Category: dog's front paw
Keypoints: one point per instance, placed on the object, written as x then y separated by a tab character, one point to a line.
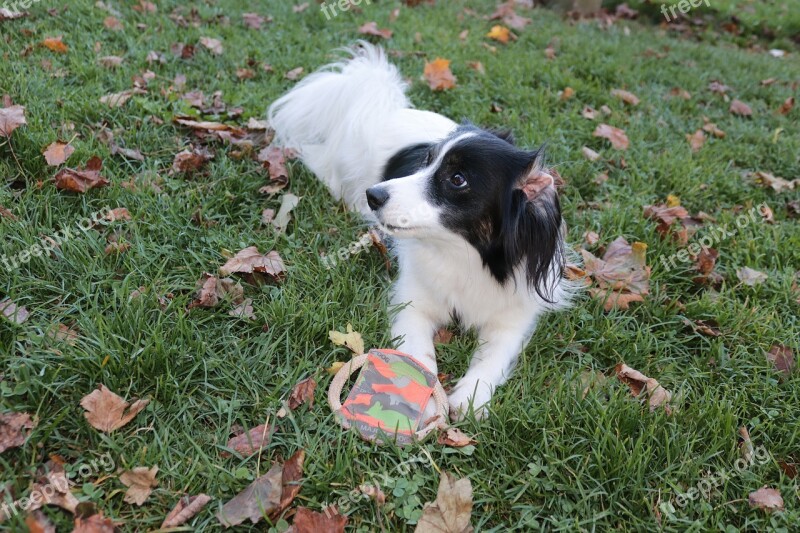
469	394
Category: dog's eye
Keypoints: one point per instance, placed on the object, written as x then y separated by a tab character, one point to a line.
458	181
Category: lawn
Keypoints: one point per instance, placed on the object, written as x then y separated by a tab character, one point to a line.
554	454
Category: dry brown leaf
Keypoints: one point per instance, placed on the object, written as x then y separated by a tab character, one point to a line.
750	277
625	96
121	98
622	269
455	438
81	180
62	333
717	87
775	183
108	412
210	291
38	522
638	383
55	44
373	492
113	23
371	28
254	21
442	336
57	153
786	106
783	358
52	478
706	327
477	66
766	498
244	310
273	158
290	482
351	339
261	498
712	128
190	161
590	154
294	73
12	312
213	45
696	140
740	108
250	261
6	213
14	430
617	136
500	34
308	521
591	238
140	482
303	393
438	74
452	510
110	61
251	442
126	152
186	508
11	118
97	523
589	112
680	93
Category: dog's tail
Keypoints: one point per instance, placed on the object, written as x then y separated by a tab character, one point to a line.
334	116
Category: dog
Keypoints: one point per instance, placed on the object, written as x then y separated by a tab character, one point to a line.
475	221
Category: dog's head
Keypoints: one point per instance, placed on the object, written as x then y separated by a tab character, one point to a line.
477	186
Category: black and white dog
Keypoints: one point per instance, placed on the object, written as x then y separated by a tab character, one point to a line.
476	221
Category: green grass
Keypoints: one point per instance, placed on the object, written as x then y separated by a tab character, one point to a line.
546	457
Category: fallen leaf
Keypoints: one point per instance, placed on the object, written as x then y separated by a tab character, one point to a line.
334	368
438	74
55	44
62	333
81	180
766	498
52	479
113	23
251	442
250	260
190	161
589	112
118	213
452	509
717	87
290	482
680	93
638	383
442	336
97	523
373	492
567	93
11	118
750	277
273	158
710	127
501	34
308	521
786	106
281	221
38	522
254	21
140	482
6	213
477	66
777	184
126	152
782	357
625	96
294	73
303	393
371	28
119	99
300	7
213	45
740	108
590	154
696	140
210	291
261	498
792	209
244	310
12	312
790	469
108	412
622	270
455	438
110	61
617	136
351	339
591	238
186	508
14	430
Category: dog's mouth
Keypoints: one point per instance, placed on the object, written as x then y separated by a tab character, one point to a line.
391	228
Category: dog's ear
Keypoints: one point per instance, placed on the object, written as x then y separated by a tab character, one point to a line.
532	227
506	135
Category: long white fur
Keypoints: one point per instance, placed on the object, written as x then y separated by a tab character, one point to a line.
346	121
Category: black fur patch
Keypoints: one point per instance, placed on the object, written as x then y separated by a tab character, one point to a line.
406	161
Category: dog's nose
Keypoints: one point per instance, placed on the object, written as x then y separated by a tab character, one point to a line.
377	197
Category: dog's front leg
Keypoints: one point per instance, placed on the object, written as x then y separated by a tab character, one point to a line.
490	367
414	330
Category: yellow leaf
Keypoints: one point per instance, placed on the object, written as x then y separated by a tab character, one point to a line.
673	201
351	339
499	33
335	367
